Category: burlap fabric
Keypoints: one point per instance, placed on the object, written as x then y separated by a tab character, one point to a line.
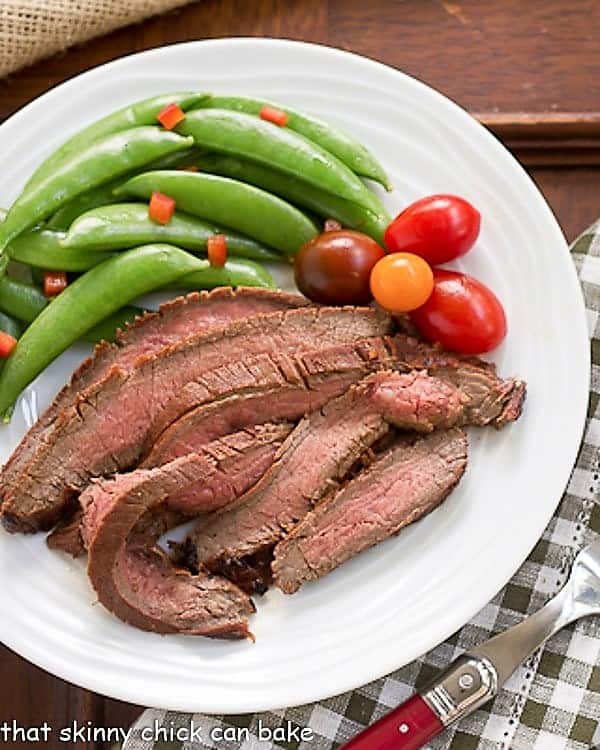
31	30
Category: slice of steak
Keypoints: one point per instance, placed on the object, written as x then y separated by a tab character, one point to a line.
488	399
402	485
485	398
222	471
137	582
66	537
107	428
174	321
283	390
317	456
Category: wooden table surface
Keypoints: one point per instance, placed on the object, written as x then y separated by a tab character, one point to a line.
529	70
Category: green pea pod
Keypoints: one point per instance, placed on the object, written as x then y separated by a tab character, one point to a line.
127	225
106	329
101	162
21	300
347	149
26	302
10	325
235	272
251	138
244	208
325	204
140	113
103	195
37	274
43	248
91	298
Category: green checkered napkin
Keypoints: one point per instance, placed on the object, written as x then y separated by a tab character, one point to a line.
552	702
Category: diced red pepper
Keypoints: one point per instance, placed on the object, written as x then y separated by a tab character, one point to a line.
217	250
7	344
55	282
171	116
161	208
274	115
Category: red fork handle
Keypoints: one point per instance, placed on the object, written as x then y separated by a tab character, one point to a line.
407	727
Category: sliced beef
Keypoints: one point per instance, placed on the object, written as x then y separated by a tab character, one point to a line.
401	486
485	398
137	582
66	537
318	454
174	321
488	399
283	390
110	423
222	471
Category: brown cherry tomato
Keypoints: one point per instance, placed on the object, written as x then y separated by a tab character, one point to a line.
334	268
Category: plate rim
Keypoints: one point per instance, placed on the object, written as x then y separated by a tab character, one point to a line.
451	621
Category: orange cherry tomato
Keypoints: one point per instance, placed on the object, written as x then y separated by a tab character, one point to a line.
401	282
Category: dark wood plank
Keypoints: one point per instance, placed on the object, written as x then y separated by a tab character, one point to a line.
473	51
572	194
31	696
507	56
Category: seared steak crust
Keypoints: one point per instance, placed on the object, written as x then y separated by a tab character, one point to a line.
318	454
106	429
174	321
320	376
402	485
138	583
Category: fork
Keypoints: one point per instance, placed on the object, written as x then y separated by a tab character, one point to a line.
476	676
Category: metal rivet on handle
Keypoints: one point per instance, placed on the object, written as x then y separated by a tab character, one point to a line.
404	729
466	681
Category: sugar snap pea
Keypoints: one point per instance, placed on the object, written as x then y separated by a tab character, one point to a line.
347	149
10	325
104	194
325	204
235	272
26	301
245	208
98	196
20	299
43	248
91	298
143	112
251	138
100	162
106	329
126	225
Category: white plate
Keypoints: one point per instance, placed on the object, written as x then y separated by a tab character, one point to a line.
395	602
